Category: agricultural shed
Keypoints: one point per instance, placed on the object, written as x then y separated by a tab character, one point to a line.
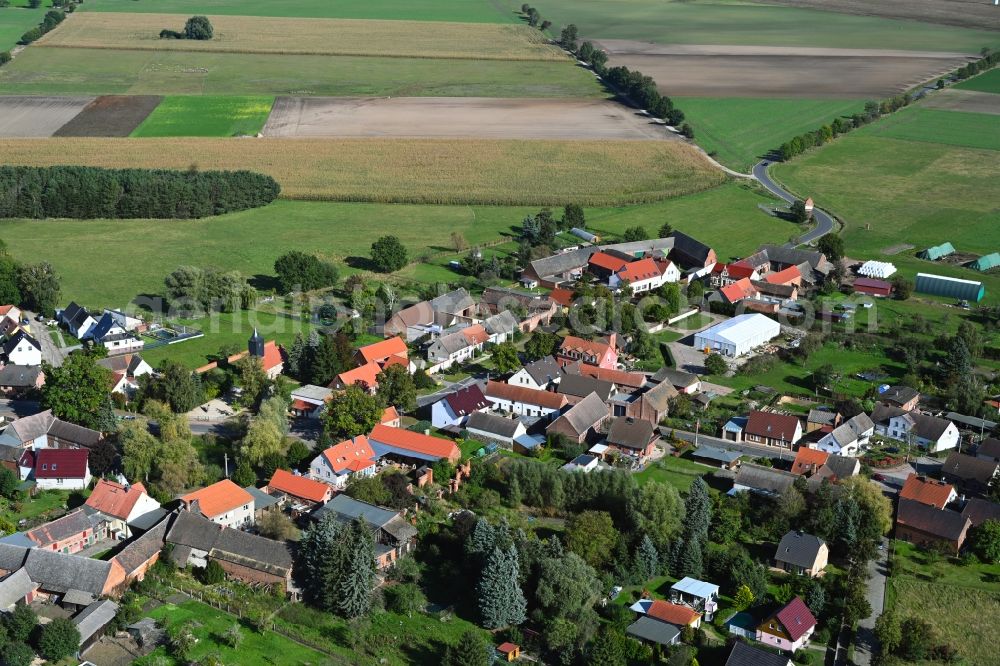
738	335
985	263
872	287
585	235
937	252
877	269
942	285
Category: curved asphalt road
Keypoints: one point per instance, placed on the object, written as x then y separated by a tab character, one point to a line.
824	223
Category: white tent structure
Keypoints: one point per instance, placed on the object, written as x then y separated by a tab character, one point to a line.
737	336
879	270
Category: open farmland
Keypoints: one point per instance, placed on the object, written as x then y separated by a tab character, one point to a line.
206	115
725	216
16	20
739	131
110	115
37	116
985	82
287	36
930	125
965	100
412	170
39	71
793	72
458	117
722	22
478	11
963	13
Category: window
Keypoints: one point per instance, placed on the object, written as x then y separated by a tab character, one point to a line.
44	466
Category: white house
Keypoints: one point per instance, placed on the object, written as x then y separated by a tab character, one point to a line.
540	375
125	372
923	430
59	469
76	319
121	505
338	463
645	275
124	320
457	347
454	409
501	326
737	336
22	349
524	401
224	503
849	438
108	332
493	428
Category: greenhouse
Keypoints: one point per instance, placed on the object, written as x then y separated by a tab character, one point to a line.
940	285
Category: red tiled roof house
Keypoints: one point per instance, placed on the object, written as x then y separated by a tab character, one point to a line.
338	463
772	429
298	489
224	503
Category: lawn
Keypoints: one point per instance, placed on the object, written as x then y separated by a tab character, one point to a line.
17	20
502	172
722	22
961	599
209	625
284	36
226	330
740	131
72	71
986	82
206	116
797	379
889	191
951	128
45	502
476	11
721	217
678	472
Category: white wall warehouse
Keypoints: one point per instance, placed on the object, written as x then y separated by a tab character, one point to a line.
737	336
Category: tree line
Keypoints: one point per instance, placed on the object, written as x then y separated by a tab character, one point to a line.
90	192
873	111
33	286
52	18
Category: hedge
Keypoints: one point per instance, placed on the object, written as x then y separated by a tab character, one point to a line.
90	192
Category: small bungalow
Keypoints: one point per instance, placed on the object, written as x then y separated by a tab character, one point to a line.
524	401
650	630
711	455
665	611
699	595
18	379
632	437
411	446
509	652
772	429
310	400
789	628
454	408
802	554
763	480
496	429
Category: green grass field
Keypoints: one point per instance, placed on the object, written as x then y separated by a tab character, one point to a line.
473	11
987	82
729	22
206	116
951	128
890	191
71	71
17	20
678	472
961	599
739	131
257	649
725	217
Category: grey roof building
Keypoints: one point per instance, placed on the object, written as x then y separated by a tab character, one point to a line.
15	587
93	619
544	371
802	552
580	386
61	572
764	480
19	377
653	631
748	655
55	431
590	413
499	426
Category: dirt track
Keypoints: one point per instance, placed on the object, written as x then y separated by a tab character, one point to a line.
979	14
965	100
446	117
37	116
761	71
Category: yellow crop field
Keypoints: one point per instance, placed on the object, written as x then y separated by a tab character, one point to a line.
253	34
436	171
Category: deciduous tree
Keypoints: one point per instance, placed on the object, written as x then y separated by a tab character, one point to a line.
350	413
592	536
504	357
396	387
77	390
388	254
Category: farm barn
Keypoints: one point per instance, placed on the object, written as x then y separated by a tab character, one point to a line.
738	335
872	287
941	285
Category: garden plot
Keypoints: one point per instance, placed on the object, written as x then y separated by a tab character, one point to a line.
448	117
38	116
764	71
965	100
111	115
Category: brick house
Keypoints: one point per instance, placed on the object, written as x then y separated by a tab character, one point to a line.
223	502
925	525
772	429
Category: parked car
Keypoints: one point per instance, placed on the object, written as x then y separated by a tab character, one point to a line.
878	477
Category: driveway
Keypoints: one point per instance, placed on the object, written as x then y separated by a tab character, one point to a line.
755	450
52	353
824	223
865	643
449	387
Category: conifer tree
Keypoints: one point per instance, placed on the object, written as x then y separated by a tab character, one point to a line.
691	559
357	572
697	513
501	601
293	365
647	559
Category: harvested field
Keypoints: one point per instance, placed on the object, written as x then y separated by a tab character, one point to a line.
965	100
37	116
473	117
962	13
755	71
412	170
289	36
111	115
66	71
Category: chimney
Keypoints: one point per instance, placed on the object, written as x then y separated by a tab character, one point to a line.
613	340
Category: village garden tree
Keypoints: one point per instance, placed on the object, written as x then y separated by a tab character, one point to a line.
396	387
500	600
77	391
505	359
298	271
592	535
175	385
350	413
573	217
388	254
39	287
471	650
10	291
